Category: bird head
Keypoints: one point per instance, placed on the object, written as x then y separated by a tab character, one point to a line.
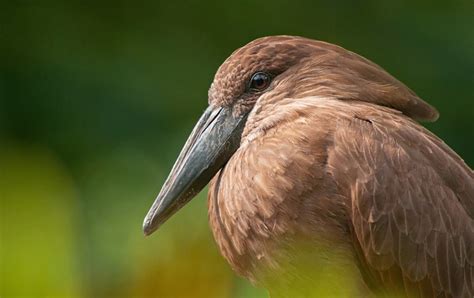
259	74
249	72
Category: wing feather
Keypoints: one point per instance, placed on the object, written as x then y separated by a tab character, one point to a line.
412	204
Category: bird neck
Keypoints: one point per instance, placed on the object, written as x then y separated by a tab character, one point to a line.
273	208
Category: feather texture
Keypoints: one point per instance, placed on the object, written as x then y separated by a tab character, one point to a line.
333	174
332	167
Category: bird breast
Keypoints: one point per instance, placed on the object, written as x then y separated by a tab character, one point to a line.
275	190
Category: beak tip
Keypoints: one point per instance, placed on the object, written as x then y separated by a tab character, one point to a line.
146	232
155	218
148	227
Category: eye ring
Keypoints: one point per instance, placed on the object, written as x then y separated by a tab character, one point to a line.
259	81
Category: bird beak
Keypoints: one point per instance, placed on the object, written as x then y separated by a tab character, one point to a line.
211	144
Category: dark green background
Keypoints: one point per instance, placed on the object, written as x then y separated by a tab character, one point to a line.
96	100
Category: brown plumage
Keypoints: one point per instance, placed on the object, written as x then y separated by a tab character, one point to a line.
331	173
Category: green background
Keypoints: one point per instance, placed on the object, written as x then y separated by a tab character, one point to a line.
97	98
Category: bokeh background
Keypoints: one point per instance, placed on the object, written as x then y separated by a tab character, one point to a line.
97	98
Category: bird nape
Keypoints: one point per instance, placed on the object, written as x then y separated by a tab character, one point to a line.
322	180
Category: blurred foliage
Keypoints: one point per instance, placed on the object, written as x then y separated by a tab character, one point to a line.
96	99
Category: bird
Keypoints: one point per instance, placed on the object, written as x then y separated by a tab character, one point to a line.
322	181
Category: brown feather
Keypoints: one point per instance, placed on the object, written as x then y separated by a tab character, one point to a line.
332	169
428	215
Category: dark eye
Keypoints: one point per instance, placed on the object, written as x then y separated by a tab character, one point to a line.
259	81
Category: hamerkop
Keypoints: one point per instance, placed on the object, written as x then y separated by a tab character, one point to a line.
322	179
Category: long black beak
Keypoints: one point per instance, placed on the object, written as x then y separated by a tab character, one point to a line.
211	144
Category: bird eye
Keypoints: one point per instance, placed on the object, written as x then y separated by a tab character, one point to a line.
259	81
